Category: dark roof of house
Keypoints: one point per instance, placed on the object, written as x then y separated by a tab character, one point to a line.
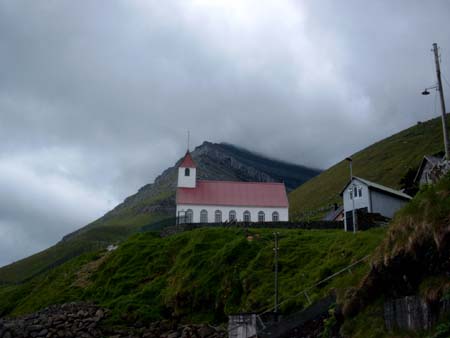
427	158
378	187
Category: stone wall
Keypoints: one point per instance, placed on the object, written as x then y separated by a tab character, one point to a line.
84	320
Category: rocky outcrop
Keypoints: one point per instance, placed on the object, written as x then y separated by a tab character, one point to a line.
84	320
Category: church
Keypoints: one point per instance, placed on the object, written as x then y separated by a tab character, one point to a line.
204	201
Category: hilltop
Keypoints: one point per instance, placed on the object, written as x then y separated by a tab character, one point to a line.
153	205
385	162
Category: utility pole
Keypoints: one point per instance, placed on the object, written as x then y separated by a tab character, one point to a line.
352	194
276	248
441	92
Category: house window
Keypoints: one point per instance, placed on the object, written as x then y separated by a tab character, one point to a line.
232	216
187	172
203	216
218	216
275	216
189	215
247	216
261	216
355	191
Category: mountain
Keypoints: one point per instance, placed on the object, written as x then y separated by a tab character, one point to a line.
154	203
385	162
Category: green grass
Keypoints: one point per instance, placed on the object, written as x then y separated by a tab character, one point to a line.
384	162
91	240
202	275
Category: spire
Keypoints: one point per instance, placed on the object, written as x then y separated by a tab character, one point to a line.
188	139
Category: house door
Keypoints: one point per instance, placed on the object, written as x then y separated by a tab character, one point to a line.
349	220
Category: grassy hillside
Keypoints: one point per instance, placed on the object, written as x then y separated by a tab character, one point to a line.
384	162
95	238
198	275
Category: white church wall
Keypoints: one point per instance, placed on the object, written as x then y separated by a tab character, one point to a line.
211	209
187	181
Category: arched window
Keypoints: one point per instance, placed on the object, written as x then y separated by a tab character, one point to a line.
247	216
275	216
187	172
218	216
189	216
261	216
232	216
203	216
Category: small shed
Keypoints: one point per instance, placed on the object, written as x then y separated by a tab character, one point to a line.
365	196
335	214
242	325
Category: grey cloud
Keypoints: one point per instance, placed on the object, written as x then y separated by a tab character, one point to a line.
97	97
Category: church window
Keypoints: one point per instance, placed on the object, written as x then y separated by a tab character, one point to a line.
203	216
232	216
218	216
189	216
275	216
261	216
187	172
247	216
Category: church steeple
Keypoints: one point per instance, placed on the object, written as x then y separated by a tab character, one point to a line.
187	175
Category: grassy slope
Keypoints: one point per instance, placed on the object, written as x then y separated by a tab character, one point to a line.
198	275
384	162
97	237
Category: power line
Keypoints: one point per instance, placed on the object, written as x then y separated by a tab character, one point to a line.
445	79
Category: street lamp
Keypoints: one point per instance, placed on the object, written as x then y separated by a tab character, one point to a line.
426	92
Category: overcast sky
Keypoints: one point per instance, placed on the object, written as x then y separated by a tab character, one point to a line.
96	96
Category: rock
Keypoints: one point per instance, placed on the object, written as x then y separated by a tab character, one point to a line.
172	334
99	313
42	333
205	331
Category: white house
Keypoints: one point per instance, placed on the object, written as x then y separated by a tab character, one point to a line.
367	196
203	201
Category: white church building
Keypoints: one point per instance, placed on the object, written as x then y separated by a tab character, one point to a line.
204	201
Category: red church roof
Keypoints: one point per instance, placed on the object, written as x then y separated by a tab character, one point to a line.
188	162
250	194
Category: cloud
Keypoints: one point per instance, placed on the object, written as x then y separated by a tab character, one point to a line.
42	200
95	100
